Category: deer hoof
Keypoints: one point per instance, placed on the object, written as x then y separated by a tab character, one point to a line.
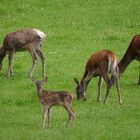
98	100
121	102
8	75
105	102
30	75
84	99
43	76
12	74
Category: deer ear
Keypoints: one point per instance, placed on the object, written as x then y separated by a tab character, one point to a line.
76	81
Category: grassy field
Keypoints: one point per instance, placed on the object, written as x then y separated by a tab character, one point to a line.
75	29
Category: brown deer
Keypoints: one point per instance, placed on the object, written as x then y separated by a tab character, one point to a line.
100	64
52	98
23	40
132	53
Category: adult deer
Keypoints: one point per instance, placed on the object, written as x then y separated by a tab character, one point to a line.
100	64
132	53
23	40
52	98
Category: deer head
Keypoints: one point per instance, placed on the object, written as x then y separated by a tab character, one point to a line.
39	83
79	90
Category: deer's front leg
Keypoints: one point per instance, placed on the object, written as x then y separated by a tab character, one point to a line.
44	116
10	68
49	117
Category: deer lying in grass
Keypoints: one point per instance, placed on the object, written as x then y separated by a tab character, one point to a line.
52	98
132	53
100	64
23	40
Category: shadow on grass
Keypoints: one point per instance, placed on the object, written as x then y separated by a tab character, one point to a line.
17	103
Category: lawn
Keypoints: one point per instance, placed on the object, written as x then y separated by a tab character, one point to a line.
75	29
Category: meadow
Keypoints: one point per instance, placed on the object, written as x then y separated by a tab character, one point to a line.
75	29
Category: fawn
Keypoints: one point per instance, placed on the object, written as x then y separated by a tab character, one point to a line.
52	98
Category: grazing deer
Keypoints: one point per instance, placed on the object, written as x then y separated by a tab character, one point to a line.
132	53
23	40
100	64
52	98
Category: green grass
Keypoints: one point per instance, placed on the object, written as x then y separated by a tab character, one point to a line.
75	29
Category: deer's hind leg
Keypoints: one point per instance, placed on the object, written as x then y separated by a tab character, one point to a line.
34	57
104	74
108	84
116	79
70	112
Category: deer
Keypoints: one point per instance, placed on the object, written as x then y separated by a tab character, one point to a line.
53	98
100	64
23	40
132	53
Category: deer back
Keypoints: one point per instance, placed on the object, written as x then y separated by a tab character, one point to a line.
101	60
19	40
55	97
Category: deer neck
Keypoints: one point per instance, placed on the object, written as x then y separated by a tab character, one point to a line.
85	81
39	88
125	61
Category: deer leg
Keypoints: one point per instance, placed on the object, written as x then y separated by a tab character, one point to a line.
3	54
116	79
73	114
44	116
40	54
49	117
108	83
68	119
10	68
70	112
112	80
34	57
99	88
118	90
